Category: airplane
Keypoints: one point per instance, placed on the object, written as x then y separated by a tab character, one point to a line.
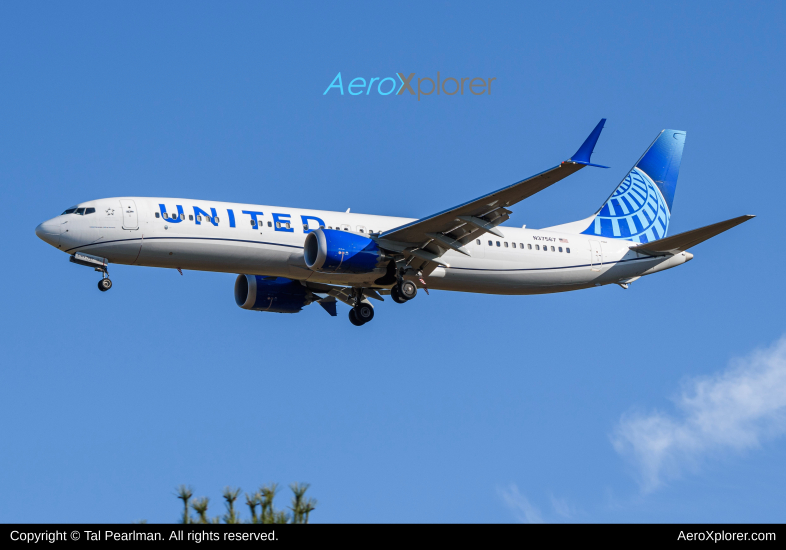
288	258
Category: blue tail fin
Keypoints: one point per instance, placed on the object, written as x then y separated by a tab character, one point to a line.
640	208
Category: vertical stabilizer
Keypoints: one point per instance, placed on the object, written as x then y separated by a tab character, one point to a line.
640	208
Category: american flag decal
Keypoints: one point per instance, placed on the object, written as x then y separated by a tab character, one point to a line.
563	240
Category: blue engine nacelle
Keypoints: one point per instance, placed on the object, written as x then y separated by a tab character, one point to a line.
334	251
276	294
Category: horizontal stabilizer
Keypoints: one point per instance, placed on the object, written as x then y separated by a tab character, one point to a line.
683	241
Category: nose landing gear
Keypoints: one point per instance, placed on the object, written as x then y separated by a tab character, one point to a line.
104	284
99	264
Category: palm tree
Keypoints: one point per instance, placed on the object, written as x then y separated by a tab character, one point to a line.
264	497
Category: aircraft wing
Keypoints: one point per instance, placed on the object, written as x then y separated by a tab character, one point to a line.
429	238
683	241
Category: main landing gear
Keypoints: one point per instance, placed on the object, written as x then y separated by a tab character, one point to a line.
404	291
362	313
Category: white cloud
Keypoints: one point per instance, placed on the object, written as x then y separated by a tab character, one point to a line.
734	409
522	509
562	507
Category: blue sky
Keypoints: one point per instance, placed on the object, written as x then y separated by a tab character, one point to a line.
605	405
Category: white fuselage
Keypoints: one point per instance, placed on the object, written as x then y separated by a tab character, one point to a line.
525	261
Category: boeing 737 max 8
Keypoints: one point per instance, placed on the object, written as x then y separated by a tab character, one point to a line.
289	257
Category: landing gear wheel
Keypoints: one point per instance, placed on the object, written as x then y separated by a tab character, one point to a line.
394	294
104	285
407	290
353	318
364	313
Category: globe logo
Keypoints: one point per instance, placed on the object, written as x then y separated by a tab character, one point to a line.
636	211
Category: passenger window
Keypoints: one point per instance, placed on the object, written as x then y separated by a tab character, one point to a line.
90	211
165	215
529	246
513	245
287	224
199	218
69	211
270	224
560	249
182	216
567	250
80	212
478	241
190	217
552	249
322	227
506	244
158	215
521	245
497	243
253	223
360	230
491	244
537	247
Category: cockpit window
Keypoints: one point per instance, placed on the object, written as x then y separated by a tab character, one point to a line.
80	212
69	211
90	211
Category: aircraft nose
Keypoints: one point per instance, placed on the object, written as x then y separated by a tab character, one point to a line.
49	232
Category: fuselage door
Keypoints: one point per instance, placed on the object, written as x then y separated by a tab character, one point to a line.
596	256
130	218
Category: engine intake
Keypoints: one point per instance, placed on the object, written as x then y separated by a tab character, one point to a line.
276	294
334	251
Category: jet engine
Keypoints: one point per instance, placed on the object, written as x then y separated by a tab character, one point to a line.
276	294
334	251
